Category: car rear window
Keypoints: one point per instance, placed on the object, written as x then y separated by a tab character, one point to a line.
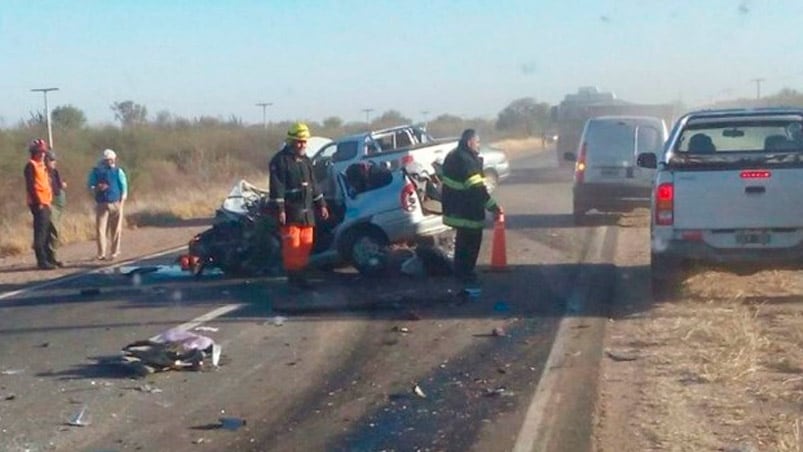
737	136
610	138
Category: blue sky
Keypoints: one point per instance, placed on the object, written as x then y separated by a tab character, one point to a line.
315	59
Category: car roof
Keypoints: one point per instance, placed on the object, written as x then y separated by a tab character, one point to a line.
626	118
743	112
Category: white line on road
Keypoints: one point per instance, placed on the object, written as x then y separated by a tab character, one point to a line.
533	435
209	316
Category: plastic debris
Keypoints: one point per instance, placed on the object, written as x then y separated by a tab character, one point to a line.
79	419
210	329
419	392
231	423
278	320
12	371
401	329
175	349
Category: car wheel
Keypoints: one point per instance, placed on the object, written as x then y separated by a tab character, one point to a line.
491	180
368	251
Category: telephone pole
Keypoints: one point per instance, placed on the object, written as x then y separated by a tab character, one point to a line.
367	112
264	106
757	81
47	113
425	114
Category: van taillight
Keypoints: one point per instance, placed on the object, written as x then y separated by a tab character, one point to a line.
580	165
665	204
407	197
755	174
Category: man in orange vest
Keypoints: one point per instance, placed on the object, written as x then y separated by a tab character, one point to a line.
295	196
40	197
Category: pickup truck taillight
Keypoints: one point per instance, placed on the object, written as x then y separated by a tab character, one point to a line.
665	204
407	197
580	165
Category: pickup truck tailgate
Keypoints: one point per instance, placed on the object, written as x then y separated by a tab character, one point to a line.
739	199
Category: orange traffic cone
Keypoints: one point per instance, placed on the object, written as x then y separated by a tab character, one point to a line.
499	246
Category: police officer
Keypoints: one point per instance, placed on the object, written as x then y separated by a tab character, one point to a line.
294	194
465	200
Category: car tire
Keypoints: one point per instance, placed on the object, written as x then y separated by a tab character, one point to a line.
491	180
367	251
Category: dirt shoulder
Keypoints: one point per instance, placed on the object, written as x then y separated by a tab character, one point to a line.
719	368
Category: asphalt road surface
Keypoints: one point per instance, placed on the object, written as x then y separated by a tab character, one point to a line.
332	369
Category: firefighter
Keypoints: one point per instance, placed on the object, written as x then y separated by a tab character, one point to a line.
465	200
295	195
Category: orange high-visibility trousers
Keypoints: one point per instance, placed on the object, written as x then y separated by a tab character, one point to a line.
296	246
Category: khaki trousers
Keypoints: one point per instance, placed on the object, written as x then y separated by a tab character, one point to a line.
108	227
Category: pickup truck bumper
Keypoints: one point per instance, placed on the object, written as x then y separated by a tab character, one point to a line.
702	252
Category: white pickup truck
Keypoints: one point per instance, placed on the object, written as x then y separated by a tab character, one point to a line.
728	191
394	148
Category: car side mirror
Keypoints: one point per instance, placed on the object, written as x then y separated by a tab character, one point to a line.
570	156
647	160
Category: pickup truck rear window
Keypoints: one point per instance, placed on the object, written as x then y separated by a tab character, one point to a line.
728	137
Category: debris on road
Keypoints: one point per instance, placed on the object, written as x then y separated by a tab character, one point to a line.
12	371
175	349
210	329
79	419
278	320
149	389
10	397
621	356
419	392
498	332
498	392
401	329
231	423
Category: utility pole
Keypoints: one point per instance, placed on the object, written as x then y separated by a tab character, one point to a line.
425	114
47	113
367	112
264	106
758	81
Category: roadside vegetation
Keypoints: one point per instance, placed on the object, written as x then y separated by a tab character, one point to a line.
181	168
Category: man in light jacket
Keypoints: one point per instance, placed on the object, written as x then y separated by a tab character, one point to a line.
108	183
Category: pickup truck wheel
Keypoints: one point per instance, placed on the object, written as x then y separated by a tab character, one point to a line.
368	251
491	180
664	276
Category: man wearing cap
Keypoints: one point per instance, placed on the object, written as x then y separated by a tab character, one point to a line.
40	197
109	185
293	194
58	186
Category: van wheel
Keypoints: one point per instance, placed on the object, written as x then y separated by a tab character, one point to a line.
367	250
664	276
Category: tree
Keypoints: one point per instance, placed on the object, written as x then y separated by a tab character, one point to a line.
390	118
524	115
332	122
129	113
68	117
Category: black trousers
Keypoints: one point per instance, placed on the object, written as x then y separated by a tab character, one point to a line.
42	245
466	250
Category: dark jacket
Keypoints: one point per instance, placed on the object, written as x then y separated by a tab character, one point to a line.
293	187
465	197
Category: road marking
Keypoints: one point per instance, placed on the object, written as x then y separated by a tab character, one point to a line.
209	316
79	274
532	435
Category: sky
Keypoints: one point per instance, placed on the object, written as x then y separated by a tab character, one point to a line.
314	59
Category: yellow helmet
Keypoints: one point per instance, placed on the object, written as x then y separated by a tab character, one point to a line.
298	132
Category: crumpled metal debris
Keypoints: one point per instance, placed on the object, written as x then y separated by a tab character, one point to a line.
419	392
174	349
79	419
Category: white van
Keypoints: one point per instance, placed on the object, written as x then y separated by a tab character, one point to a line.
606	176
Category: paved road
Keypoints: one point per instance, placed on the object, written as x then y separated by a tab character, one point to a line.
338	373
